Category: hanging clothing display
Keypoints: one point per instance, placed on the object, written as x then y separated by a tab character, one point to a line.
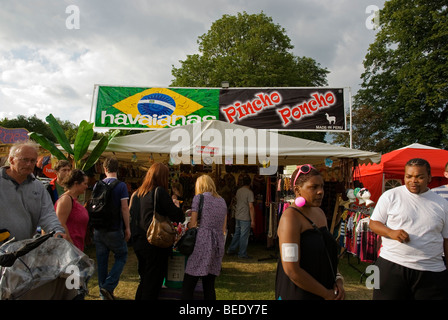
355	235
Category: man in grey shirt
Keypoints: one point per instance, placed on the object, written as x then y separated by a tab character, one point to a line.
244	219
25	203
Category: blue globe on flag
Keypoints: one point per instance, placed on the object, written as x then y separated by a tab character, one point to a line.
156	104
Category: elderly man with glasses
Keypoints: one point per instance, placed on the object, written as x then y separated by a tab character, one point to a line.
24	200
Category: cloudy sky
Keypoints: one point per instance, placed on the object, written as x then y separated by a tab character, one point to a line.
49	63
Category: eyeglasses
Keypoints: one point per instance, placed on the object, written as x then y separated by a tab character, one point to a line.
305	169
25	160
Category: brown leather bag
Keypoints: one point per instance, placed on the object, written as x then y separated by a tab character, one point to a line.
161	232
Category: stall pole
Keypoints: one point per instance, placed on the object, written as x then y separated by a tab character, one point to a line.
351	119
335	211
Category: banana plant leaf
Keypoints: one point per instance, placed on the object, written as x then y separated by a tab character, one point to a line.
82	141
59	133
98	150
47	145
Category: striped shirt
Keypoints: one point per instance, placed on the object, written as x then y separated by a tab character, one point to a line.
441	191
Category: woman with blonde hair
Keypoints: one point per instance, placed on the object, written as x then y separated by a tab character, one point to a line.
152	260
205	261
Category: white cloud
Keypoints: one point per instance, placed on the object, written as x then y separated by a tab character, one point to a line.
45	67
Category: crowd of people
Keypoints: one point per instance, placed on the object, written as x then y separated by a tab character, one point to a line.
31	206
411	219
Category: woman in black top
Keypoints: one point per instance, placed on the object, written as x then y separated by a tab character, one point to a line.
152	260
307	268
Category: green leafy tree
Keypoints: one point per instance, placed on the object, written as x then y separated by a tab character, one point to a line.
34	124
249	50
404	92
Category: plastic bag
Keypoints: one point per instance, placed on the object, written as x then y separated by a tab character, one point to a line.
56	259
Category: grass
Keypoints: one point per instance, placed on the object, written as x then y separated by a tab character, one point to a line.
355	287
251	279
247	279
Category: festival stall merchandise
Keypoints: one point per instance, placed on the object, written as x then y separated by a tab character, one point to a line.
354	235
335	163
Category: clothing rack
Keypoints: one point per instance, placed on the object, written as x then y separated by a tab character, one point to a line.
363	209
335	220
356	238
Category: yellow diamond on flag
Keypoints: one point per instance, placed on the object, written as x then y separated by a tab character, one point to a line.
166	102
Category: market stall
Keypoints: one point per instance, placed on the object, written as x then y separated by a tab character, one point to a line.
228	152
221	149
389	173
218	136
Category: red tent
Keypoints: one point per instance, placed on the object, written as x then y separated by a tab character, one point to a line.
389	173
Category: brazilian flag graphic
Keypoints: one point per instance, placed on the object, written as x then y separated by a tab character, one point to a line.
154	108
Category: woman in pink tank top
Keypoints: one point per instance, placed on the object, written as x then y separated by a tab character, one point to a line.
72	215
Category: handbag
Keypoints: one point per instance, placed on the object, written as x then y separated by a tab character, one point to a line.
161	232
186	243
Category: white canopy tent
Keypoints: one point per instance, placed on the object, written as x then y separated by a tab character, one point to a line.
223	143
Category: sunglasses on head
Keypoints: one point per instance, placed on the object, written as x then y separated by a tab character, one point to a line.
305	169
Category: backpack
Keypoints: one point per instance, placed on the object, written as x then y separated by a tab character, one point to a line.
103	213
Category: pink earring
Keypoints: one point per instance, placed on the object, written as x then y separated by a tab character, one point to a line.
300	201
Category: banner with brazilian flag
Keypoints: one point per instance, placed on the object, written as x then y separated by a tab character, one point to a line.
153	108
306	109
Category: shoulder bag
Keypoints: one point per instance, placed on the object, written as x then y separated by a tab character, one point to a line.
186	243
161	232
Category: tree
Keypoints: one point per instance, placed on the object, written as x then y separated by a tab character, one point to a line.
29	123
366	134
34	124
404	92
249	51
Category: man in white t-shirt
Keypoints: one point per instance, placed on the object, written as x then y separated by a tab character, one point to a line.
413	223
443	190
